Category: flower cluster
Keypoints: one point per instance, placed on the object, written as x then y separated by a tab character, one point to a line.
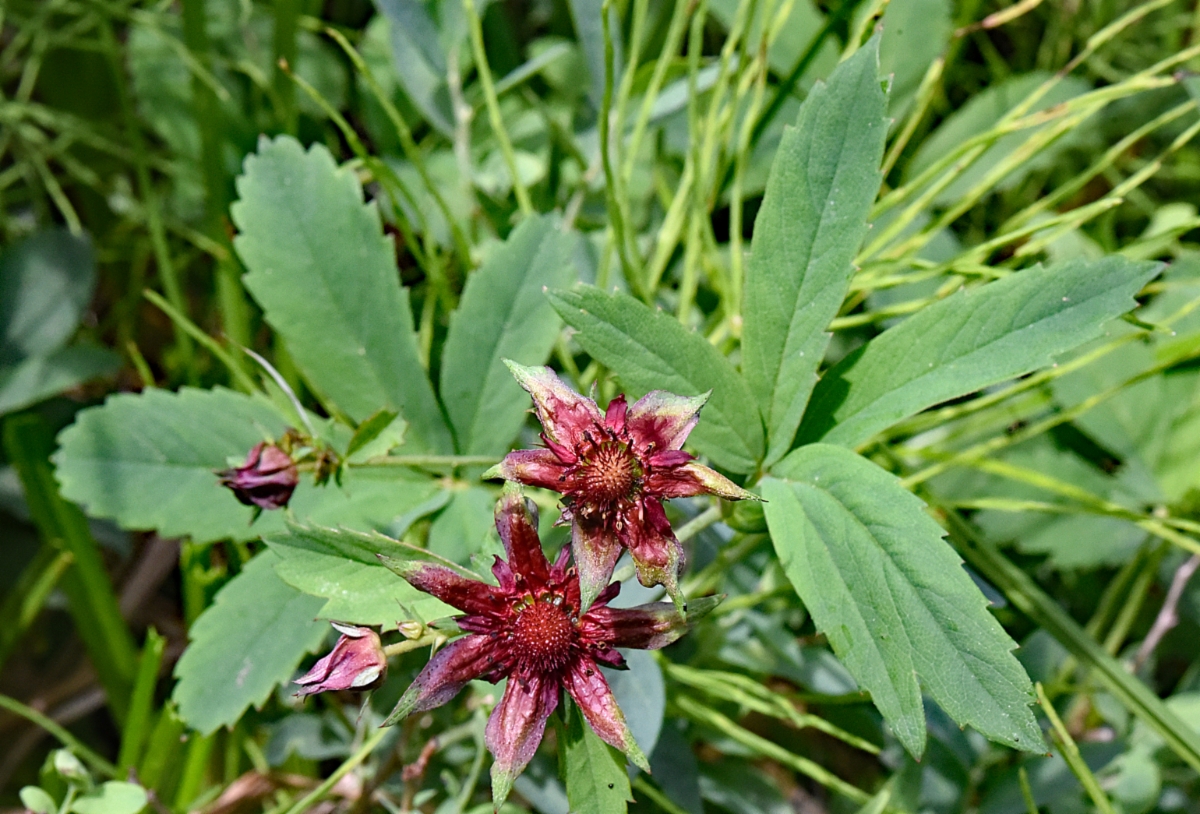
614	469
547	627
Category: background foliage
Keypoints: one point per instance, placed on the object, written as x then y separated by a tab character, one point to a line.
906	297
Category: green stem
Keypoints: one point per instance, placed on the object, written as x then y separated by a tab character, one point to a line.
62	526
475	26
29	595
240	376
154	222
141	703
98	763
286	13
1070	753
363	752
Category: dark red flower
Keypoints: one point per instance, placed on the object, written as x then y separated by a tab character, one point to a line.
266	480
529	629
614	469
357	662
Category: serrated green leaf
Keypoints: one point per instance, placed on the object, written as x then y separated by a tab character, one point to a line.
503	315
250	640
651	350
420	59
972	339
341	567
325	274
893	598
149	461
459	531
813	218
113	797
594	772
915	33
40	377
46	281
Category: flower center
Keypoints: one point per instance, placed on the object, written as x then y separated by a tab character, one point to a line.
610	474
543	635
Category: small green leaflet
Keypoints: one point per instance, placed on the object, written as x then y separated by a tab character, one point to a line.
813	218
325	274
892	597
113	797
341	566
973	338
593	771
369	430
250	640
651	350
503	315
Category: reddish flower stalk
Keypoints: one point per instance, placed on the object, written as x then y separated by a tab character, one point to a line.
529	629
614	469
266	480
357	662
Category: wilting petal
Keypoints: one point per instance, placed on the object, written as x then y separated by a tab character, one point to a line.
596	551
462	660
564	414
532	467
357	662
646	627
516	521
591	692
654	548
693	479
663	420
515	729
468	595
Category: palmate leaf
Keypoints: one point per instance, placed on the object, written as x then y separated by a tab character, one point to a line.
503	315
248	641
892	597
325	275
813	218
651	350
972	339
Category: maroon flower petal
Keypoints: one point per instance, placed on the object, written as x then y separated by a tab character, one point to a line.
591	692
516	521
614	416
662	420
515	729
646	627
693	479
532	467
468	595
596	551
445	675
656	552
564	413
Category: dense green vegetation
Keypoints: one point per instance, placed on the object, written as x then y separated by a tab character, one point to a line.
938	264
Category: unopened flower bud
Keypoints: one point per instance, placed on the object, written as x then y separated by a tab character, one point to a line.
266	480
411	629
68	766
357	662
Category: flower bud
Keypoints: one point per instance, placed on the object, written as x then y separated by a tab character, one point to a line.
266	480
357	662
68	766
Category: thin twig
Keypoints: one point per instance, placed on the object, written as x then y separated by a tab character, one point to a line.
1168	616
